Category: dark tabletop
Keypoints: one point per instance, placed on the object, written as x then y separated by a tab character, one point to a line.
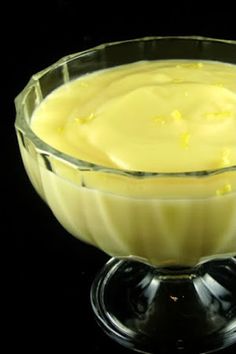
53	271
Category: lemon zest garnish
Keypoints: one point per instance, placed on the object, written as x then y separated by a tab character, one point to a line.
184	140
190	65
219	115
86	119
176	115
225	158
83	84
160	119
219	84
224	190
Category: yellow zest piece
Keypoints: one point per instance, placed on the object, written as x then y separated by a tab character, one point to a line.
219	84
225	158
83	120
160	119
83	84
176	115
184	140
199	65
191	65
219	115
224	190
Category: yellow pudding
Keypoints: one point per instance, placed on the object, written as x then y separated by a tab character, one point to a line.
161	116
168	117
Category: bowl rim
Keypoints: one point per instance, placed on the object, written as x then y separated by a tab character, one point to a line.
45	149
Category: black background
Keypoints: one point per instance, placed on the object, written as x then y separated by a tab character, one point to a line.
52	271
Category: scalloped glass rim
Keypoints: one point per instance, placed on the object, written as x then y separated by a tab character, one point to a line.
44	148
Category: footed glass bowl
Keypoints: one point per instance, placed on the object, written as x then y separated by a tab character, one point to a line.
171	284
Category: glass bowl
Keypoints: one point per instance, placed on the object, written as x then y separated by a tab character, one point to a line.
170	285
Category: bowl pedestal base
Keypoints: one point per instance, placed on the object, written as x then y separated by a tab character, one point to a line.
167	310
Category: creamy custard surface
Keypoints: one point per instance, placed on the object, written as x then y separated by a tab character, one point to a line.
161	116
